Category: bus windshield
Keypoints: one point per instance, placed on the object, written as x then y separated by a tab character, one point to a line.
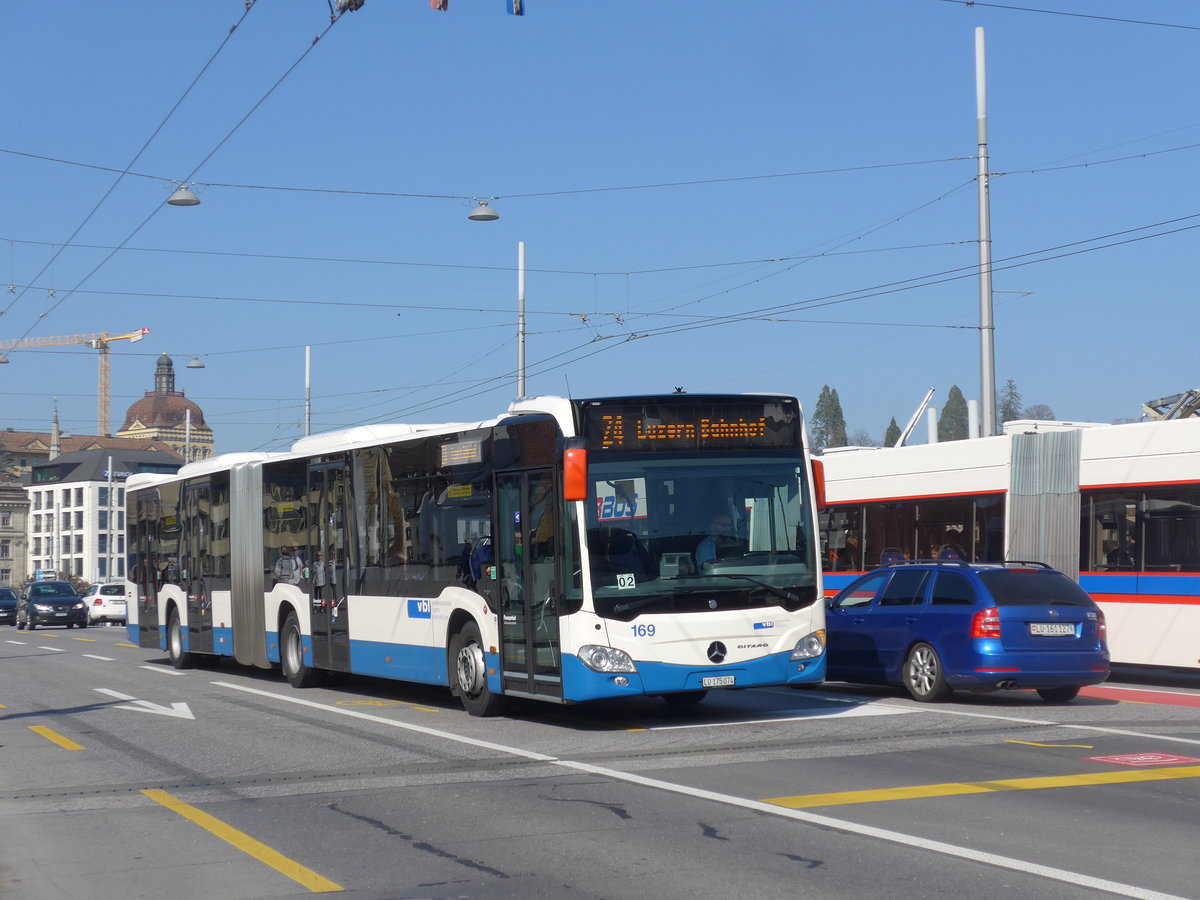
673	535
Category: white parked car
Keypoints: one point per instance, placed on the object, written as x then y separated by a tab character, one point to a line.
106	602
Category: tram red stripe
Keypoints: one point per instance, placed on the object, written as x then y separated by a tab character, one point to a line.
1160	697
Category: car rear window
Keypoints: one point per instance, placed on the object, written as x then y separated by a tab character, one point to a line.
1033	587
112	590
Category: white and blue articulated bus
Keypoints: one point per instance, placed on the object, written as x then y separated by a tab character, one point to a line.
565	551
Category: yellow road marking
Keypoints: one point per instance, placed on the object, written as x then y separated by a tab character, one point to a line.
64	742
1065	746
91	640
952	789
302	875
402	703
132	646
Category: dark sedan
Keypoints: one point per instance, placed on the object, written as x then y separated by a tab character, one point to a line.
51	603
8	605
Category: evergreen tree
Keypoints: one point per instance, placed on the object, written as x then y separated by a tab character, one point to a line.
827	426
953	423
892	434
837	432
1010	402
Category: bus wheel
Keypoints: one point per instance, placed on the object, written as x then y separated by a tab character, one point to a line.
291	654
468	673
180	659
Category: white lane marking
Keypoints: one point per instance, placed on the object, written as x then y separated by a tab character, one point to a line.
94	656
176	710
420	729
160	670
796	715
1096	728
894	837
19	643
53	649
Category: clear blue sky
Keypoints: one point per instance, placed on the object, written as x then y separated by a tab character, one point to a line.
704	175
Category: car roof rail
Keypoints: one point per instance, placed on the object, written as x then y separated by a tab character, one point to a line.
959	563
1027	563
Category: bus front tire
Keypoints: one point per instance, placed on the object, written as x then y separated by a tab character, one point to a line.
468	673
291	655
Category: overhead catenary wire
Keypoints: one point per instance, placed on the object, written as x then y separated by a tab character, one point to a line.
1072	15
122	173
96	268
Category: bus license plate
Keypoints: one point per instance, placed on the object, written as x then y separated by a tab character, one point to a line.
1051	628
717	681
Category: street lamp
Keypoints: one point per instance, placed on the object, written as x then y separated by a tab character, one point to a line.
483	213
183	197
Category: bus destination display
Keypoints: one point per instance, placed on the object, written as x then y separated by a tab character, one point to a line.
660	426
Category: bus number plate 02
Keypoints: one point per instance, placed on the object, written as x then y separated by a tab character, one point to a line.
1051	628
718	681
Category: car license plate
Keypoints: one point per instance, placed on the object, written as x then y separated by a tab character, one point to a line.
717	681
1051	628
60	615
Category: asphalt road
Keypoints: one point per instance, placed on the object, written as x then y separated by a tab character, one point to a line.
123	778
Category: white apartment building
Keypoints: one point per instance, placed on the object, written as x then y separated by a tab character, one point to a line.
77	511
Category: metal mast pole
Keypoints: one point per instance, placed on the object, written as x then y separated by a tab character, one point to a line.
987	331
307	390
520	318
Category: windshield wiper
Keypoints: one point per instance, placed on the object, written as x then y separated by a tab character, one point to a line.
636	604
769	588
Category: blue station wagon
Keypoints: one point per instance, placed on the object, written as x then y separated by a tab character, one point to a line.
935	626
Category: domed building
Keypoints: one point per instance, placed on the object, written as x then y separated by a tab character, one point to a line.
166	415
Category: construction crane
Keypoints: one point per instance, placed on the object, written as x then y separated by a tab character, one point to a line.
1177	406
98	342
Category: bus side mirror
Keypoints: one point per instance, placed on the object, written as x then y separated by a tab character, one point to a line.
575	483
818	471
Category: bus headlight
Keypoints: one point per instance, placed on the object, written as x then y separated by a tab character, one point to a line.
810	646
606	659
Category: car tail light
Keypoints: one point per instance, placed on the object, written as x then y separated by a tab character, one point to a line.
1101	625
97	602
986	623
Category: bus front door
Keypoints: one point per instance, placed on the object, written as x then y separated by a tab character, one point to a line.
325	564
527	548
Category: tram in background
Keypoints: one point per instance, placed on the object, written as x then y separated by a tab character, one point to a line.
550	553
1115	506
